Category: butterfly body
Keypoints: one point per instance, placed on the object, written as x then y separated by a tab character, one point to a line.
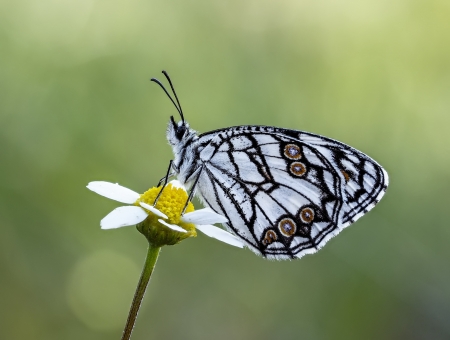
284	192
184	143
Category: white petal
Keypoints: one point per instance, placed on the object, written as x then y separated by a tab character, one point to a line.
203	216
221	235
114	191
177	184
123	216
153	210
172	226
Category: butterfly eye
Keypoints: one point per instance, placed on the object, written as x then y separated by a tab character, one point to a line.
180	130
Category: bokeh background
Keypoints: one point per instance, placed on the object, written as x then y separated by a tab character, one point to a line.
76	105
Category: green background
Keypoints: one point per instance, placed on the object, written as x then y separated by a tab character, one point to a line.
76	105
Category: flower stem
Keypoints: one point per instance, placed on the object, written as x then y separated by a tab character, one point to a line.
150	261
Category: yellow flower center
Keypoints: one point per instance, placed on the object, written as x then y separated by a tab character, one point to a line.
171	203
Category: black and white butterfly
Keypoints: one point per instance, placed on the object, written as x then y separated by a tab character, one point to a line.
284	192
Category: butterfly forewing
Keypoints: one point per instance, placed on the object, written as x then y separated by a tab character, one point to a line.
285	192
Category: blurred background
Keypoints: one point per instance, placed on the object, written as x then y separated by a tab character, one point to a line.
76	105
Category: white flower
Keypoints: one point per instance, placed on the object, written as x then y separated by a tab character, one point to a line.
133	214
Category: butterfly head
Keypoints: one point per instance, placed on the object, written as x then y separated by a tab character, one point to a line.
176	132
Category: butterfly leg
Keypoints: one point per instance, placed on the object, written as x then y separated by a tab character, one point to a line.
192	191
166	178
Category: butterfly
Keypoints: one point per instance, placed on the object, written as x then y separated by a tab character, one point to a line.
285	192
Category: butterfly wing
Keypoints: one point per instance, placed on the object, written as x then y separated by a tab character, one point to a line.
286	192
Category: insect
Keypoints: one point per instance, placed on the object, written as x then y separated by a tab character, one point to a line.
284	192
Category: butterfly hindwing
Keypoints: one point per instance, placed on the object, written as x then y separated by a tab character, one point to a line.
364	180
285	192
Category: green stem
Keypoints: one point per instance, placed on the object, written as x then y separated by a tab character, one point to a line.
150	261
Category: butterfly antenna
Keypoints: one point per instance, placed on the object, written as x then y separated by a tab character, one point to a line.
176	97
168	95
